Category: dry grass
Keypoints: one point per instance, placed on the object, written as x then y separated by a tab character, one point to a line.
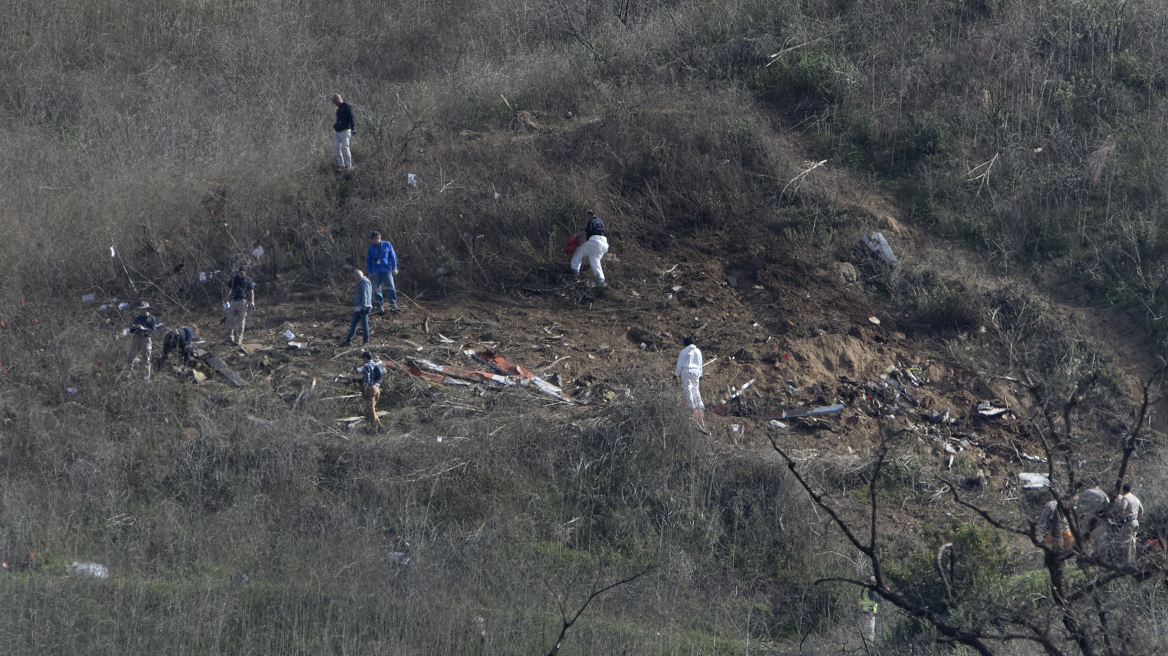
185	134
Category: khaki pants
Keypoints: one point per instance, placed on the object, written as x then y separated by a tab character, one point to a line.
1126	542
369	398
140	344
236	319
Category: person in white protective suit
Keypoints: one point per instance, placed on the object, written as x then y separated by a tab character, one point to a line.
594	249
689	373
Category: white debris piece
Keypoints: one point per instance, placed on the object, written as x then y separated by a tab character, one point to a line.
878	245
89	298
411	179
258	252
89	570
202	276
1034	481
288	334
123	306
113	253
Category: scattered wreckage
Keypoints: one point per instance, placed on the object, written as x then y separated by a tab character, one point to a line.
502	374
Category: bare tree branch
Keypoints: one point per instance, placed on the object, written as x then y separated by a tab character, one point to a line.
595	593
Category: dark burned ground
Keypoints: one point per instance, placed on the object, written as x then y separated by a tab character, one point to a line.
806	340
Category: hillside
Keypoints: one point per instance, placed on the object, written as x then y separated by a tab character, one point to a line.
739	152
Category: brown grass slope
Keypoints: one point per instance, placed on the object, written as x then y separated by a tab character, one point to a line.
184	135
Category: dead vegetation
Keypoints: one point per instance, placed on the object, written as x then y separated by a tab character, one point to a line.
738	153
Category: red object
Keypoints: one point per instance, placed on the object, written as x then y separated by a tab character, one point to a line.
572	245
500	364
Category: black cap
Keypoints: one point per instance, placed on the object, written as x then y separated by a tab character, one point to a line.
375	235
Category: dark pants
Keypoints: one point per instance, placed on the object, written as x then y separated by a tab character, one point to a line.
176	341
359	317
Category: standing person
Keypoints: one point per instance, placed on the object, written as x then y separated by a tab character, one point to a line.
381	263
241	295
689	373
179	339
142	330
362	306
594	248
869	603
1053	525
1127	512
371	389
345	127
1091	507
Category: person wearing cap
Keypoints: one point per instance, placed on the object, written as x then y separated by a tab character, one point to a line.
869	603
141	331
1127	512
362	306
688	373
381	263
345	127
594	248
241	293
370	389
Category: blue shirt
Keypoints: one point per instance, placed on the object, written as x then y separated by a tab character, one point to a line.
380	258
370	373
144	325
363	297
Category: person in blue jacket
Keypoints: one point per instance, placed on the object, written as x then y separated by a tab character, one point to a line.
381	263
362	306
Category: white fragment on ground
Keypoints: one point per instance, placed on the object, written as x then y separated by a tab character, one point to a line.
89	570
1034	481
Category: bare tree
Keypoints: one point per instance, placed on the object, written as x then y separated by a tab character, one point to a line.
1074	617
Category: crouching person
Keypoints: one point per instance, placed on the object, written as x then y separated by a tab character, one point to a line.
180	340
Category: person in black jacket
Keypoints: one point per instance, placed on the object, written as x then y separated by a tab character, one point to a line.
181	340
594	249
345	127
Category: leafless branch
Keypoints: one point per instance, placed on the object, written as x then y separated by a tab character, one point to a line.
567	623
